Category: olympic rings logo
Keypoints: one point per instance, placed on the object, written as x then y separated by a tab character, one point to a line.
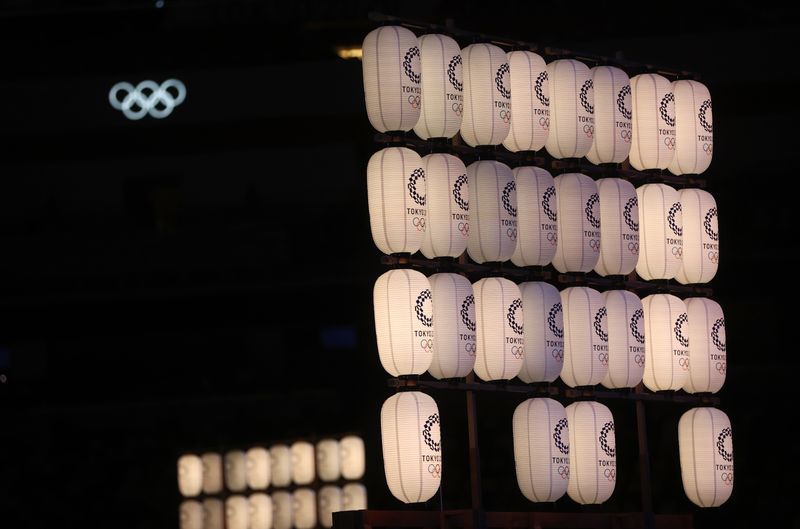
638	359
633	247
552	238
592	215
544	122
713	257
512	233
426	344
458	108
602	358
435	470
517	351
715	329
419	223
463	227
465	306
636	317
684	363
419	308
505	115
724	435
626	135
667	105
538	89
610	474
594	244
584	96
677	251
511	316
557	354
499	81
147	97
608	428
414	101
708	148
418	173
557	439
679	323
670	143
721	367
588	130
727	478
470	348
461	181
549	208
563	471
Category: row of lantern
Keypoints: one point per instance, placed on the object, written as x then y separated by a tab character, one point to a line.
442	208
303	508
447	326
490	97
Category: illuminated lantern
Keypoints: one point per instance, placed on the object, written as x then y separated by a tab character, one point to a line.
260	511
612	116
700	237
666	342
530	102
571	109
493	211
237	512
537	225
660	232
258	468
396	194
235	470
412	452
708	361
190	475
352	456
281	463
541	449
694	128
543	332
303	457
390	67
454	314
305	508
282	510
212	473
403	309
447	220
578	211
626	354
191	514
214	512
487	95
585	337
619	233
442	101
328	465
354	497
499	321
705	443
329	501
592	452
653	119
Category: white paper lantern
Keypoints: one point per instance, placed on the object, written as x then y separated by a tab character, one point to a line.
626	352
653	133
541	449
700	237
592	452
303	458
354	497
493	211
537	224
447	221
403	307
499	324
281	463
412	451
666	342
660	232
328	464
619	233
708	359
191	515
235	470
487	95
578	211
305	508
213	513
352	456
705	444
612	116
190	475
212	473
694	128
282	510
454	317
237	512
543	332
260	511
390	66
530	102
585	337
571	109
396	193
442	102
329	501
258	468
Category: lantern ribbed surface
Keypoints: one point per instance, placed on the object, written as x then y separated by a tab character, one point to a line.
260	511
328	461
303	463
282	510
352	456
708	357
235	470
487	95
190	514
578	212
442	101
543	332
530	102
653	118
305	508
237	512
329	500
612	116
281	463
700	224
212	473
660	232
447	221
493	211
592	452
571	109
619	232
499	323
190	475
585	337
354	497
626	354
705	443
541	449
258	472
666	342
537	223
454	317
694	128
213	513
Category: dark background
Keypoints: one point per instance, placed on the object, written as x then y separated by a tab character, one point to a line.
203	282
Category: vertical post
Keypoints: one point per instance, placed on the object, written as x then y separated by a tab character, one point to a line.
474	459
644	463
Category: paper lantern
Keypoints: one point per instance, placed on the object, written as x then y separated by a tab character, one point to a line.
666	342
305	508
611	142
619	232
258	468
487	95
499	323
625	317
578	212
541	449
694	128
282	510
585	337
354	497
442	101
390	67
352	456
396	191
235	470
447	221
705	443
571	109
329	501
212	473
303	457
454	314
493	211
260	511
190	475
592	452
530	102
412	451
328	464
700	237
237	512
660	232
653	119
537	223
708	360
403	307
213	513
191	514
543	332
281	463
